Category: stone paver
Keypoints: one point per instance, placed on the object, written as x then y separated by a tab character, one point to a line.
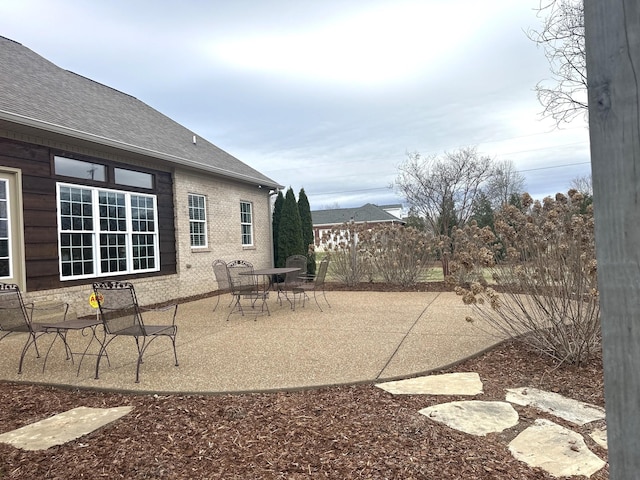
551	447
62	428
599	436
474	417
566	408
555	449
466	383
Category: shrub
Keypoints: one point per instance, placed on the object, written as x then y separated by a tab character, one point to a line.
398	254
543	276
350	263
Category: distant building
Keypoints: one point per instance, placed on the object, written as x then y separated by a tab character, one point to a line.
394	209
326	220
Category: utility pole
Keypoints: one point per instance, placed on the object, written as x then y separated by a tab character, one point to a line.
612	29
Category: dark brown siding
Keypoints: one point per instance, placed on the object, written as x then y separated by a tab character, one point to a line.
40	222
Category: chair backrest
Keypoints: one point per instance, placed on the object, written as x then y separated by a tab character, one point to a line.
235	268
295	261
13	312
322	271
222	274
119	308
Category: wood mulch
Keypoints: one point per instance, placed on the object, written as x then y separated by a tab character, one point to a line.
354	431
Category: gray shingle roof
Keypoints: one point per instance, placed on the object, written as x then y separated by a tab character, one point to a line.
36	93
367	213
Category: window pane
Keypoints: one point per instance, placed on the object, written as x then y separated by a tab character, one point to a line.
144	252
133	178
112	217
79	169
5	258
76	211
76	254
4	268
113	253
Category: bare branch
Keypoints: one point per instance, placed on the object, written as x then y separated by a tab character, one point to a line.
564	97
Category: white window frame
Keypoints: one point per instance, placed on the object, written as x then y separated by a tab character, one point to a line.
200	223
246	223
94	234
7	219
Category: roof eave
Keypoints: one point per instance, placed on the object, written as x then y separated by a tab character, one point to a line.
97	139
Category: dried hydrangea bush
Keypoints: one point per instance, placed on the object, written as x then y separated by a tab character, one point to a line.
534	277
392	253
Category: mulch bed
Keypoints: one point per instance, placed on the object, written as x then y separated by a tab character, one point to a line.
356	431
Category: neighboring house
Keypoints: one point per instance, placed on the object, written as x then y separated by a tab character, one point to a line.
326	220
95	184
395	209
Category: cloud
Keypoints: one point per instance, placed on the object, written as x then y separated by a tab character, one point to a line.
331	95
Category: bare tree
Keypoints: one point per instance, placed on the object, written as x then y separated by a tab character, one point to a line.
504	183
583	184
561	36
443	190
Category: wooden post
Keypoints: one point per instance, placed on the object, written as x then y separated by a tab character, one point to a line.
613	66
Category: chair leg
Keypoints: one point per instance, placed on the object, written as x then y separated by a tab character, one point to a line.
325	298
103	352
175	353
31	340
316	299
217	302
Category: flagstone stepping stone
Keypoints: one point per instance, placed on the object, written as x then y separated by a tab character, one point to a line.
557	450
474	417
599	436
62	428
569	409
445	384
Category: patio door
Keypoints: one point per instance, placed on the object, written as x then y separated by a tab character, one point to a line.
11	228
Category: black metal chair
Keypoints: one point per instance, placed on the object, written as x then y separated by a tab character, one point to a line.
314	285
122	316
292	279
19	317
244	286
221	273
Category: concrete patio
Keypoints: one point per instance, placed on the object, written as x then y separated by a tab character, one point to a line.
363	337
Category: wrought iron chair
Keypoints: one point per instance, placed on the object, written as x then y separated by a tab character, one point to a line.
221	273
292	279
316	285
122	316
244	286
18	317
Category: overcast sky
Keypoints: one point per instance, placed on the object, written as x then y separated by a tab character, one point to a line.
325	95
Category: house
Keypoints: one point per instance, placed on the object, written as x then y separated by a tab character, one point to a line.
326	220
95	184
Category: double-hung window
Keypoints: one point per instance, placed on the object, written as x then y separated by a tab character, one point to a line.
106	232
197	221
246	223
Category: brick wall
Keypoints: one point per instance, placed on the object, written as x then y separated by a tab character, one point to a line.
194	272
